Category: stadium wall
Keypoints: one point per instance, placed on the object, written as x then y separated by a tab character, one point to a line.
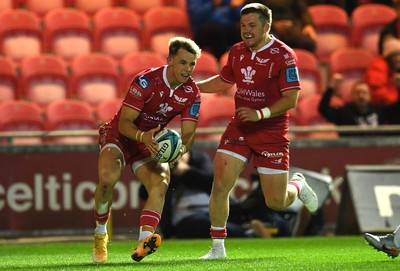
47	190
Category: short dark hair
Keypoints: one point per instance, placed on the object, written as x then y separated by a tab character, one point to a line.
187	44
263	11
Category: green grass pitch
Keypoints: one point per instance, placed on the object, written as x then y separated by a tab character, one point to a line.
286	254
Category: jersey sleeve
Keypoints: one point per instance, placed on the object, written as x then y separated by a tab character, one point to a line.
289	72
139	89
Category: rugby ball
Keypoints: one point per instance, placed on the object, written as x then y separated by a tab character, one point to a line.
169	145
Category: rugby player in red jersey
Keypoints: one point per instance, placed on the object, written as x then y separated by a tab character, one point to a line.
265	72
154	98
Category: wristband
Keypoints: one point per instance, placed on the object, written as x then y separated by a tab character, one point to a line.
263	113
141	137
136	135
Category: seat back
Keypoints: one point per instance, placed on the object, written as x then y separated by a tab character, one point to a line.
70	115
332	24
90	7
206	66
162	23
107	109
19	115
9	83
136	62
94	78
352	64
309	72
141	6
20	34
216	111
68	33
44	79
367	23
117	31
40	7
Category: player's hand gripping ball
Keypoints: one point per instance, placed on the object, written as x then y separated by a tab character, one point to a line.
169	145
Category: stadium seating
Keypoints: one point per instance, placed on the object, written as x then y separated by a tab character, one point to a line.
70	115
94	78
352	64
18	115
9	4
162	23
44	79
41	7
307	112
9	84
367	22
20	34
206	66
135	62
215	111
91	7
106	109
332	24
309	72
117	31
68	33
141	7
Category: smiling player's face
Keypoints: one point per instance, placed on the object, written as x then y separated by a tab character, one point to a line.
252	31
181	67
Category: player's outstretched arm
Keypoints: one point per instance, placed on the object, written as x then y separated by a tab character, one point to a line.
213	84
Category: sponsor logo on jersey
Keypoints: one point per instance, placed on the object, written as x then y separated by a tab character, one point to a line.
290	62
188	89
248	74
143	81
262	60
194	109
241	57
272	154
179	99
135	92
164	109
274	51
292	75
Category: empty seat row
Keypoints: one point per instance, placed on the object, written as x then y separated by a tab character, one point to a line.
90	7
336	29
91	77
70	32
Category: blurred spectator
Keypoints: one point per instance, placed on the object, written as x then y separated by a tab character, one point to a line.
392	29
215	24
292	23
359	110
383	73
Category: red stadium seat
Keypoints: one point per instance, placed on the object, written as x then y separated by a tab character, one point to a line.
20	34
162	23
44	79
94	78
309	72
41	7
9	83
206	66
70	115
90	7
68	33
216	111
117	31
332	24
106	109
367	22
141	6
136	62
18	115
352	64
307	112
